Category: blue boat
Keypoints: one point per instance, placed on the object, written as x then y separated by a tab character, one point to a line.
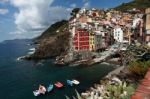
50	88
69	82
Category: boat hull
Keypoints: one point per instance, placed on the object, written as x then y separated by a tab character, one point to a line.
69	82
36	93
50	88
59	85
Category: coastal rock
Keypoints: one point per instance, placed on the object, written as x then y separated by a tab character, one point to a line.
53	42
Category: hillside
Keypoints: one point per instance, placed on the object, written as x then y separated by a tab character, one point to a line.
52	42
55	40
52	30
140	4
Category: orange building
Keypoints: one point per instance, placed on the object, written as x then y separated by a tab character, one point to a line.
147	36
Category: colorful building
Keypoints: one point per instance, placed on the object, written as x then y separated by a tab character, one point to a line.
147	35
92	42
81	40
98	41
95	29
118	34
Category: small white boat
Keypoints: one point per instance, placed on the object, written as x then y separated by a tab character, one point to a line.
76	82
42	89
36	93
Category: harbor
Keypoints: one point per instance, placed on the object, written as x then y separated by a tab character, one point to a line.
44	90
75	49
99	57
26	76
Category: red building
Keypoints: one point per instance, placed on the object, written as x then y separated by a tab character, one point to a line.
81	40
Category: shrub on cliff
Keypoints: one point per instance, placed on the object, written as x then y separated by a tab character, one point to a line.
139	68
140	4
52	30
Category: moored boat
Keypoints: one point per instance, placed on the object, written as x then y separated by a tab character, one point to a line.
42	89
76	82
59	85
50	88
69	82
36	93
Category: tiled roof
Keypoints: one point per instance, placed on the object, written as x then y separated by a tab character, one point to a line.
143	90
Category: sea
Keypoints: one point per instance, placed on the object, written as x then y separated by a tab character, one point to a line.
18	79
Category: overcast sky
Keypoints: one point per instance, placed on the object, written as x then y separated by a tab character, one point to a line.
29	18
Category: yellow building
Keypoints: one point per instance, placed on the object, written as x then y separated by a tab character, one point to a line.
109	14
147	35
91	42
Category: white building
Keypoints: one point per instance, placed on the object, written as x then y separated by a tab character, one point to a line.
118	34
136	22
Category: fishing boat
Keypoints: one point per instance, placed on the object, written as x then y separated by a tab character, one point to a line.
42	89
59	85
69	82
36	93
76	82
50	88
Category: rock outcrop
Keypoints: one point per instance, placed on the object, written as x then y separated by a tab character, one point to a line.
53	42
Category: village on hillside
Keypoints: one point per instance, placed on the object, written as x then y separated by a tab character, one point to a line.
97	34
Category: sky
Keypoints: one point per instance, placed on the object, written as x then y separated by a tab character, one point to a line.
29	18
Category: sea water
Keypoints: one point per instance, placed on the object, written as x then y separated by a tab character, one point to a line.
18	79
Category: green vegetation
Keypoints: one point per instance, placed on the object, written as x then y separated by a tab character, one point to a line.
74	11
139	68
123	91
140	4
78	96
53	42
52	30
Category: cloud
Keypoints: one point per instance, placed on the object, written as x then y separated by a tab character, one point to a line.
3	1
34	16
4	11
16	33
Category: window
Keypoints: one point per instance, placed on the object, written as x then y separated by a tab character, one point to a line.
116	34
76	48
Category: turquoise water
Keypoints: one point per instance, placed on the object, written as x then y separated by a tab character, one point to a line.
19	78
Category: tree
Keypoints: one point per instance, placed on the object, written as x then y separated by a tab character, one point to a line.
75	11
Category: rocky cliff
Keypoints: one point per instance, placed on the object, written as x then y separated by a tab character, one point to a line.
52	42
55	40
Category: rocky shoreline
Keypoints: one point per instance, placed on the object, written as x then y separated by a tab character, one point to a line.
114	84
